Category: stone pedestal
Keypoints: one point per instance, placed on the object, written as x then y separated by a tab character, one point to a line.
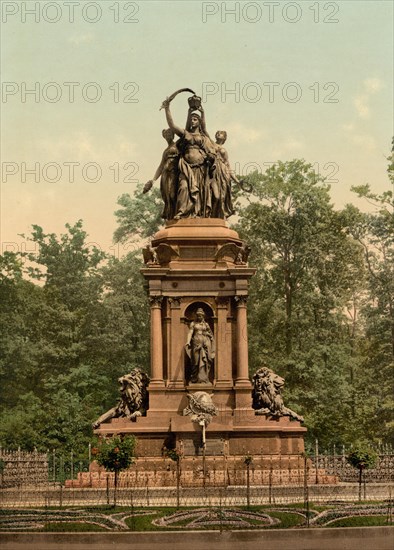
202	264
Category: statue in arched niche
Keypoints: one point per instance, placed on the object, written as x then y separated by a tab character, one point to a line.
200	348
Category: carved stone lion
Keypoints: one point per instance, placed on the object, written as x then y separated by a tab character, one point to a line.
267	398
133	398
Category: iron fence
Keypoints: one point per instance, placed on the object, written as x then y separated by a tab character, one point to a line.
63	479
337	465
55	495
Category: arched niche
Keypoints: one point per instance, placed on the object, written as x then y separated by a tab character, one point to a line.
190	312
200	354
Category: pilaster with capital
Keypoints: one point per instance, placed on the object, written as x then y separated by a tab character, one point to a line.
224	342
175	345
242	378
156	345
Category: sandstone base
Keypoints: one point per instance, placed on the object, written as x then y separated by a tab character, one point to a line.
211	472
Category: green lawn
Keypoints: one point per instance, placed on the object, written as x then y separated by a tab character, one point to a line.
287	520
63	527
360	521
144	523
108	518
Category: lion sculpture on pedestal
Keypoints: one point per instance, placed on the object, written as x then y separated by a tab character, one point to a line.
133	398
267	398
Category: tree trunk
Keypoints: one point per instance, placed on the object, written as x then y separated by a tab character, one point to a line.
360	481
178	480
391	310
289	309
115	486
248	486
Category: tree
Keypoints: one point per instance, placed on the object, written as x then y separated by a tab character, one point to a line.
66	341
21	301
361	458
308	273
374	381
139	217
116	454
176	456
46	341
375	233
2	468
126	308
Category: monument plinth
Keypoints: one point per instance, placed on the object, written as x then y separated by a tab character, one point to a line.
197	267
199	264
201	400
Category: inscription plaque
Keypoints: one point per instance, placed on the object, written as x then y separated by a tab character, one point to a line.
198	252
192	446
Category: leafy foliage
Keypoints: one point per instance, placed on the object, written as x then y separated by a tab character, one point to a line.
172	454
362	457
65	341
375	377
248	459
116	453
309	271
139	217
321	313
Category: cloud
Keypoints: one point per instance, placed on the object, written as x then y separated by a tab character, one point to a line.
239	133
78	39
361	102
83	147
365	141
362	140
373	85
292	146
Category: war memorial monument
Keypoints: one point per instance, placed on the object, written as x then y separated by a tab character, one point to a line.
199	400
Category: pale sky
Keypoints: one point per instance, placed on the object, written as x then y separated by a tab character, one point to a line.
287	80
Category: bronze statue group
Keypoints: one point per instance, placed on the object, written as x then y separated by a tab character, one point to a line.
195	171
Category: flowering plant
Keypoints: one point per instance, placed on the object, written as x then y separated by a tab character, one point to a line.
116	453
362	458
173	454
248	459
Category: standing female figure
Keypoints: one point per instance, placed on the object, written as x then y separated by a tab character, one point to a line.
222	206
197	155
200	348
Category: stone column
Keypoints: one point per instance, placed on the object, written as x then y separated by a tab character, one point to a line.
176	367
156	341
242	378
223	345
